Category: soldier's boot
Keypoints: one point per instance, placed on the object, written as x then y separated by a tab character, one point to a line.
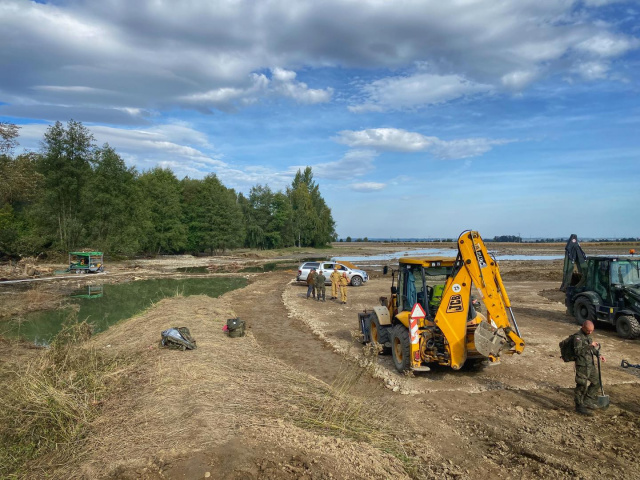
582	410
591	405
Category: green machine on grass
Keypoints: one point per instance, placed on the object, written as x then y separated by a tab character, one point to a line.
85	262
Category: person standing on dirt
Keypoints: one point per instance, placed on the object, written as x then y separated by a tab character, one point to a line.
344	281
320	288
311	283
335	282
587	382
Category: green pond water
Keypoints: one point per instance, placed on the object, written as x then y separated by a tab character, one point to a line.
104	305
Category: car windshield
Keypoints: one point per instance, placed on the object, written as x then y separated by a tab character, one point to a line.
625	272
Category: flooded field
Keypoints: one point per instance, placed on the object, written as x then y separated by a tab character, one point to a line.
105	305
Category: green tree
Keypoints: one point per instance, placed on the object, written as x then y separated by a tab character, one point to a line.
20	185
161	193
312	222
222	220
114	212
65	163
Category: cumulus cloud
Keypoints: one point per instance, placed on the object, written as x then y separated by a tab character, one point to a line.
354	163
150	55
367	186
398	140
417	90
178	146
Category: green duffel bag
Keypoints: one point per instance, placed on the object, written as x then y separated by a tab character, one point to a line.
236	327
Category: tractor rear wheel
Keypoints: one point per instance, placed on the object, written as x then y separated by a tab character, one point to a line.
627	326
379	334
401	348
584	310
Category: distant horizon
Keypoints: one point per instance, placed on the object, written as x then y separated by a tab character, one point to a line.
486	239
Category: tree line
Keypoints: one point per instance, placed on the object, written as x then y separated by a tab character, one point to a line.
73	194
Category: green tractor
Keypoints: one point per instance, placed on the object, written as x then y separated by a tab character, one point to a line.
602	288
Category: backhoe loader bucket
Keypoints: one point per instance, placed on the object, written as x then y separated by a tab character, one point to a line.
488	340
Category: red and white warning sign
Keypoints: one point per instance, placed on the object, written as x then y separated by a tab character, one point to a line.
416	313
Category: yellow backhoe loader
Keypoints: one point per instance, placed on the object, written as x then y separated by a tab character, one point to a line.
429	317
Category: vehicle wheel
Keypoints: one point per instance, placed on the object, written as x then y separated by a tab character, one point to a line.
379	333
356	281
401	348
78	271
584	310
627	326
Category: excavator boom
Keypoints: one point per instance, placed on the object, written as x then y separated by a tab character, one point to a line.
499	333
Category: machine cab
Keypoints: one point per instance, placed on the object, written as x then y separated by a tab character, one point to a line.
422	281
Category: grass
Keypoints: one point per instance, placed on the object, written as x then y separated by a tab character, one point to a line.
47	403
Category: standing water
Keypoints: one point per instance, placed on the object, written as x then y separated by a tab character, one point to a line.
104	305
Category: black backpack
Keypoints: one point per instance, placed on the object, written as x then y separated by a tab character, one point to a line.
567	352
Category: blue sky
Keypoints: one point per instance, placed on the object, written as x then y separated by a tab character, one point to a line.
419	118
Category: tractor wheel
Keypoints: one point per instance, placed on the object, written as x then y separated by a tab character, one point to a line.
356	281
379	334
584	310
627	326
401	348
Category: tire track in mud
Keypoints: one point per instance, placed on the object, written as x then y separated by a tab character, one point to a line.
288	339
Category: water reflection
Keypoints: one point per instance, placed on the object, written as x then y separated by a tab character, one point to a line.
104	305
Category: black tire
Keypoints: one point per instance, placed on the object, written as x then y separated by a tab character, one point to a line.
380	334
356	281
628	326
584	310
401	348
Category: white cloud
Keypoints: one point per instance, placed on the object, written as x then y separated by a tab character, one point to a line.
150	55
367	186
518	80
592	70
354	163
398	140
417	90
606	45
283	83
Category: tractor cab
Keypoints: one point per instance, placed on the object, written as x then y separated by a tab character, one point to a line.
607	276
422	280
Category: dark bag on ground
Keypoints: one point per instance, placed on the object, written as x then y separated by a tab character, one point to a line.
567	352
178	338
236	327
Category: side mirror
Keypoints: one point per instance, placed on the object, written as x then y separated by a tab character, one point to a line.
385	270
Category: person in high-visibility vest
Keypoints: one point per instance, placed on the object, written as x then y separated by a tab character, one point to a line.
335	282
343	288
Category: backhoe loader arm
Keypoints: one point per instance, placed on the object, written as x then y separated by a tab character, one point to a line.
574	255
475	266
485	273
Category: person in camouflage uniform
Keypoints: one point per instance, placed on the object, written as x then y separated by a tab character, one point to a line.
320	288
587	382
311	283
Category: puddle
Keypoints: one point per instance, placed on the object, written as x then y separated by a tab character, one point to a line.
439	252
104	305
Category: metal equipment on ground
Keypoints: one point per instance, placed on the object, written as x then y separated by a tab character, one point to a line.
602	288
429	317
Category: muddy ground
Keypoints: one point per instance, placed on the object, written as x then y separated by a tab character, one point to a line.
296	399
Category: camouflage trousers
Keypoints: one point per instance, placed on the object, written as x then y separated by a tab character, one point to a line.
587	384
